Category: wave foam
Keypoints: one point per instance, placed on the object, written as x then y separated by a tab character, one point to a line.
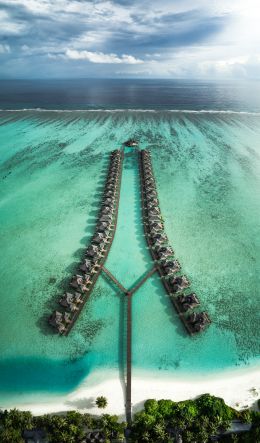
176	111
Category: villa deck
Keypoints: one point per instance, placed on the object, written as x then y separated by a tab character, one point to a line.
148	189
98	266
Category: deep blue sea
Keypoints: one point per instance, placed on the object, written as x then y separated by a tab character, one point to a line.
55	137
134	94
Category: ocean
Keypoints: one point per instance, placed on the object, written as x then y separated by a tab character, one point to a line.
55	140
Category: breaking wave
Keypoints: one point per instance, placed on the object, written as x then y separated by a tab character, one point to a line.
177	111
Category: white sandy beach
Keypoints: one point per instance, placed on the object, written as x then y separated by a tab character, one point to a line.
240	389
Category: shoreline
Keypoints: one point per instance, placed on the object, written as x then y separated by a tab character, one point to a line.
239	388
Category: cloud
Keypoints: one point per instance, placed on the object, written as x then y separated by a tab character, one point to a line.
181	38
4	49
100	57
9	26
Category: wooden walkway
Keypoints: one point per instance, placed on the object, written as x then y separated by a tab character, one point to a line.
128	403
164	281
100	266
114	280
129	293
147	275
136	287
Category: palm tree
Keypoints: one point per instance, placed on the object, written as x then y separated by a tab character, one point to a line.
160	432
101	402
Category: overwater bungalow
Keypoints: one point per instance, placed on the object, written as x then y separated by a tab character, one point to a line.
154	208
106	218
99	240
107	210
112	179
78	298
105	235
164	249
150	189
109	193
104	225
66	299
56	319
110	188
87	265
67	317
92	250
150	195
77	281
153	203
163	252
61	328
113	174
155	218
158	238
156	226
131	143
101	228
87	279
149	184
154	211
149	177
170	267
189	301
151	192
148	173
154	231
81	281
107	213
109	201
178	284
198	320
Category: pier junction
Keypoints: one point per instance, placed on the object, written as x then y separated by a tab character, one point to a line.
165	264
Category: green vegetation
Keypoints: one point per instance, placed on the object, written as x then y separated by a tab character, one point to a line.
101	402
194	420
163	421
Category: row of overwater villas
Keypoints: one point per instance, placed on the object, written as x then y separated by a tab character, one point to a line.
83	282
168	267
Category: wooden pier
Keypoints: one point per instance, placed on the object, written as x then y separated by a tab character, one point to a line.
128	403
129	294
103	256
114	280
164	281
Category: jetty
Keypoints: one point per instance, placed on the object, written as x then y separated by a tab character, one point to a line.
82	284
163	254
129	294
165	264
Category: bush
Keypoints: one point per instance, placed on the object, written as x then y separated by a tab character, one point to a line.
165	408
151	407
215	408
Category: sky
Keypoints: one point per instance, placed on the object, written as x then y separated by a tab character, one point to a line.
130	39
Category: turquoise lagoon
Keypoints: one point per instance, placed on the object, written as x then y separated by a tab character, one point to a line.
52	170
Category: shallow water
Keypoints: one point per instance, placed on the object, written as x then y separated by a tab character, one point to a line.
52	169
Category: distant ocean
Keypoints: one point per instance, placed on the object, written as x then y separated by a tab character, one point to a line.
133	94
205	144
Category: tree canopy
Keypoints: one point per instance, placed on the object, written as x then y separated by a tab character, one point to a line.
162	421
